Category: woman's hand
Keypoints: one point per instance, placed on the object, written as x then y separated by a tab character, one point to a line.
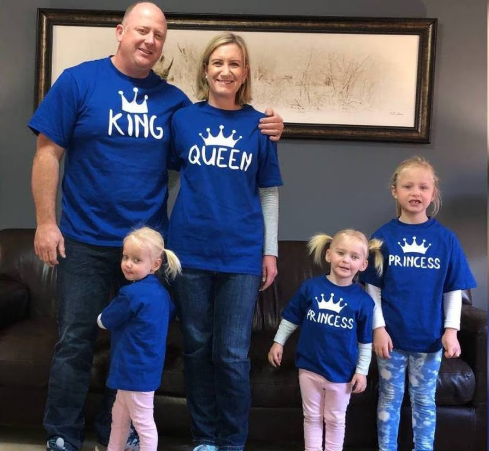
268	271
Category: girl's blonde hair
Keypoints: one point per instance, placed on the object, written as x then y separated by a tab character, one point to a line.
320	243
148	238
243	95
421	162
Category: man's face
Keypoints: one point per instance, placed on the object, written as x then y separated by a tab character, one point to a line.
141	37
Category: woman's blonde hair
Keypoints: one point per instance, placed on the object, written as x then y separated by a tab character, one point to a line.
148	238
421	162
243	96
321	242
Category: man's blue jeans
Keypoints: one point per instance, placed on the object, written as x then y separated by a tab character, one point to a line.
87	278
216	315
423	371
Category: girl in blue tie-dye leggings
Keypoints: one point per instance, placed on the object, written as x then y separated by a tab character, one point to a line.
418	303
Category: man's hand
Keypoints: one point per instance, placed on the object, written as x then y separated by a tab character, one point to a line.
272	125
268	271
382	343
275	354
48	243
451	344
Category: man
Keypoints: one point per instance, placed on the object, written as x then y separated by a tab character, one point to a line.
110	118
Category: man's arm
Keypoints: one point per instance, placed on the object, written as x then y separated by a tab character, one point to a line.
272	125
48	241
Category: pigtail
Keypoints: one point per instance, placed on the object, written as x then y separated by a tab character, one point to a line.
172	266
375	246
317	245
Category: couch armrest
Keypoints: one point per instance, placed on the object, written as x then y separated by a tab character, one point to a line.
15	302
473	340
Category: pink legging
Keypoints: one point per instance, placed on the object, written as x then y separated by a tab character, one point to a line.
136	407
323	401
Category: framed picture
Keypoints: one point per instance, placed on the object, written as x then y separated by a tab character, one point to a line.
328	77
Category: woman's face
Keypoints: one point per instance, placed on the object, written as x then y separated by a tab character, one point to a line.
225	73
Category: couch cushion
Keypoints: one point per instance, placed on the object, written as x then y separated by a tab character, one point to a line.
15	302
456	383
26	348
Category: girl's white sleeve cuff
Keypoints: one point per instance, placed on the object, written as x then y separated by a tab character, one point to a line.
452	307
375	293
284	331
364	357
99	322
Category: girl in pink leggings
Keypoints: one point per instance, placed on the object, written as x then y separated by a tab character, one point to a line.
335	343
138	319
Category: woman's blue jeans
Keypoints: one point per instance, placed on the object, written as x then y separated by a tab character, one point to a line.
216	315
423	371
86	278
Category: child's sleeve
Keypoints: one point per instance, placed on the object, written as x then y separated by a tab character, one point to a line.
364	357
452	308
364	320
285	330
364	335
294	312
459	276
116	313
292	316
376	294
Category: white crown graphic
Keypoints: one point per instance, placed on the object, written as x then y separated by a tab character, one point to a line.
134	107
330	305
220	140
414	246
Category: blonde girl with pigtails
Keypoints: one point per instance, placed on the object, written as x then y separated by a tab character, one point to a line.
138	319
335	343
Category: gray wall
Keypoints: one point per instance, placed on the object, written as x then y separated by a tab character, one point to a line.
328	184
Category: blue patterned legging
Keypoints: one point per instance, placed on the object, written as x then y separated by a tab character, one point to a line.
422	371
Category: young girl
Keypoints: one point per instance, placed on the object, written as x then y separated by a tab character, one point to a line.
418	303
335	344
138	319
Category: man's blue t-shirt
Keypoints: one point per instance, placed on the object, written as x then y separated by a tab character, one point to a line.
116	133
138	319
421	262
332	320
223	158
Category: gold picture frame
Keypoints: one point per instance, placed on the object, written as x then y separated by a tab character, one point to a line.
328	77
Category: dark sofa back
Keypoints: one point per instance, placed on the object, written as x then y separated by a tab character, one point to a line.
20	266
18	263
21	269
294	265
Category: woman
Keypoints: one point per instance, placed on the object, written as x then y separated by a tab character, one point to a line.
224	230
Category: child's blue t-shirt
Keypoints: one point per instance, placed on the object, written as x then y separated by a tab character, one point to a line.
138	319
223	158
332	320
116	133
421	262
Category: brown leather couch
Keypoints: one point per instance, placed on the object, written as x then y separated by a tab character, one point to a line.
28	334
